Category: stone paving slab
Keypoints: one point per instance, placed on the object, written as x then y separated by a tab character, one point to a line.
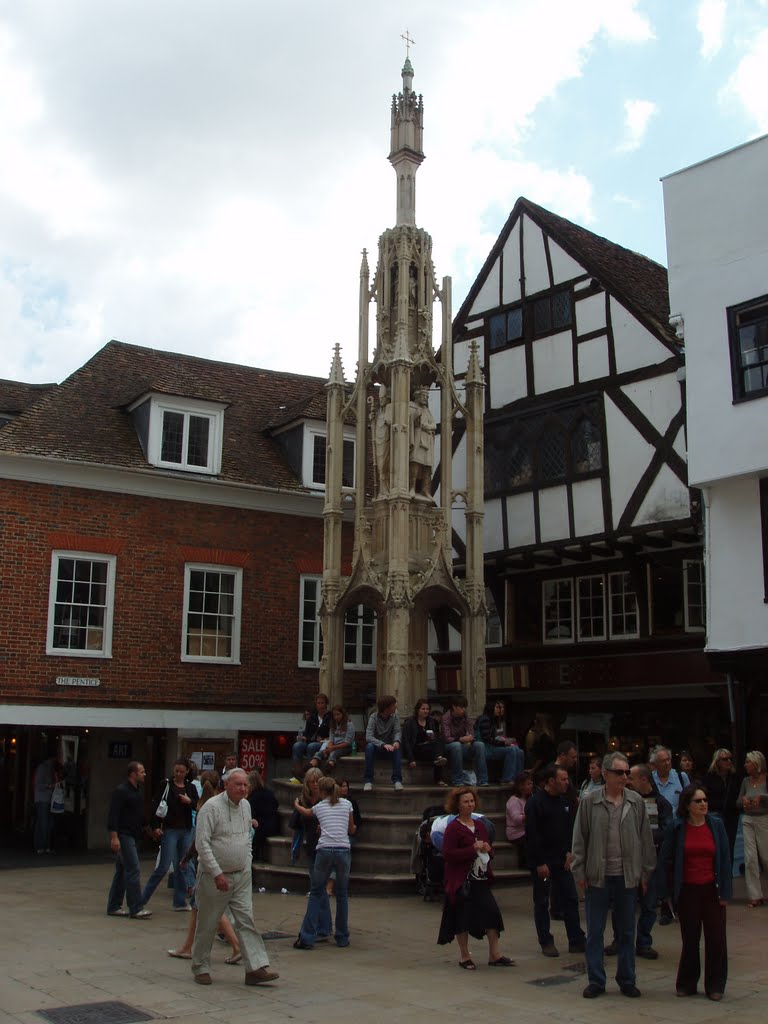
59	948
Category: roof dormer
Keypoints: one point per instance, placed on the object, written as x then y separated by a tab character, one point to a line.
180	433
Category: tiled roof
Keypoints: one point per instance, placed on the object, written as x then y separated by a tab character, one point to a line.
639	282
86	419
15	397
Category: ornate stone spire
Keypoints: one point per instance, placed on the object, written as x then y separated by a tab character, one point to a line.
336	376
406	140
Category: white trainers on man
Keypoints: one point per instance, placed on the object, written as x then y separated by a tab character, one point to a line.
368	787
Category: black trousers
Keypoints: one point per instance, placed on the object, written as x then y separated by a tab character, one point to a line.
697	907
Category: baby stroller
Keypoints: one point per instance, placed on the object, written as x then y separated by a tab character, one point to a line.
427	861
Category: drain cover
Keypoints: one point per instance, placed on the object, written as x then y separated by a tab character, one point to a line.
555	979
95	1013
580	968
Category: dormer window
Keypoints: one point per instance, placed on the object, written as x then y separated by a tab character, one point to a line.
179	433
315	457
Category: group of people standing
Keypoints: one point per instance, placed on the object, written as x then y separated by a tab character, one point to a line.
644	834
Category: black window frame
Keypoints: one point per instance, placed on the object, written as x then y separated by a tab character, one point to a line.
738	367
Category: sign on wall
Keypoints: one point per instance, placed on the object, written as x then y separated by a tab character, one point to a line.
253	753
122	749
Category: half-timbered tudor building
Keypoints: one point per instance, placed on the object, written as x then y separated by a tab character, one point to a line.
592	539
161	556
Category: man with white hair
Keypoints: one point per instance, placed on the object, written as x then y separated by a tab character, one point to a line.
223	841
669	782
613	853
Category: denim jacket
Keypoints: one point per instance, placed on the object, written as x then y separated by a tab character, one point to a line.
673	853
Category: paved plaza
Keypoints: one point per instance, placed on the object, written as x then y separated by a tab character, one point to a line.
59	949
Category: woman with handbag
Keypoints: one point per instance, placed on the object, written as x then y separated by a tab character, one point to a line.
172	818
470	907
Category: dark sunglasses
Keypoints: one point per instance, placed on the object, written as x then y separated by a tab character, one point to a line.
700	800
618	771
724	758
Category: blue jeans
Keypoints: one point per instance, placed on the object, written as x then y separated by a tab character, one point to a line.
596	907
126	881
328	859
372	752
513	758
457	753
302	750
562	881
173	845
647	918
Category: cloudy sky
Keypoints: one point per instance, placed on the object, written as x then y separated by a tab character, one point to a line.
201	175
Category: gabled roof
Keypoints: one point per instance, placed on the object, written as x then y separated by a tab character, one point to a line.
85	419
15	396
637	281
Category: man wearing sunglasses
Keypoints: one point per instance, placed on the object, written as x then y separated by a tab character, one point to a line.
613	853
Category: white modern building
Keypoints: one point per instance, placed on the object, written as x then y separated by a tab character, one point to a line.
717	244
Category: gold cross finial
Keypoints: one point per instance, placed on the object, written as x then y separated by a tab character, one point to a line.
408	43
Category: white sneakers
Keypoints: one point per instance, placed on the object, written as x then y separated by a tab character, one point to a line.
398	786
368	787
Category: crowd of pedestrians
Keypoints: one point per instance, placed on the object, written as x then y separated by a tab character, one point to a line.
633	839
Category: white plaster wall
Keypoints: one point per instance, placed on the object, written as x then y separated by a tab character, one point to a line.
737	616
659	399
593	359
634	346
588	508
564	268
717	246
508	380
679	444
590	314
628	457
553	514
488	296
520	522
667	498
493	532
552	362
511	281
460	357
536	272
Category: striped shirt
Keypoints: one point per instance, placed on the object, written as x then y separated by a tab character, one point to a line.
334	822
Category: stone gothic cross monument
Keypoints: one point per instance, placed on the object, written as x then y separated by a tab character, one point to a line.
405	403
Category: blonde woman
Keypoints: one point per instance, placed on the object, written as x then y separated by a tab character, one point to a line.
753	802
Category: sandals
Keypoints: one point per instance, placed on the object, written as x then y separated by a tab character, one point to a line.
179	955
467	965
503	961
752	904
234	959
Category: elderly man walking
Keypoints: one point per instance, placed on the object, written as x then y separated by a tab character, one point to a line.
613	853
223	843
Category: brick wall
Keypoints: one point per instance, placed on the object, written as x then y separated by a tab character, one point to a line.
152	539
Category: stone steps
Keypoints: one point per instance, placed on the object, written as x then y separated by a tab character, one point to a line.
382	856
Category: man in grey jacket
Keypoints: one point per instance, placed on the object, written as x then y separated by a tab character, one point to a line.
613	853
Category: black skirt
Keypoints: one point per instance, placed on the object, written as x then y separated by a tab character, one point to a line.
474	914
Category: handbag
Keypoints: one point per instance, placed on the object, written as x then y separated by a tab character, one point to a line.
162	808
57	799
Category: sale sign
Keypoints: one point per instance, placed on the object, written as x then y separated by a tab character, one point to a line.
253	753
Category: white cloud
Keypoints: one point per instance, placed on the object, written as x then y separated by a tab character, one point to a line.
637	115
202	177
710	22
747	84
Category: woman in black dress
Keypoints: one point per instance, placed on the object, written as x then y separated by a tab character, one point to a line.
470	907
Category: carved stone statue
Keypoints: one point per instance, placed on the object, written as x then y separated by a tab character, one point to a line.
382	436
422	444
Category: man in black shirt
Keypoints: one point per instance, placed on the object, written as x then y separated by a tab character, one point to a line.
316	729
126	825
548	829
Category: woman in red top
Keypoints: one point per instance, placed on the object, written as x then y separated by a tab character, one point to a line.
695	857
470	909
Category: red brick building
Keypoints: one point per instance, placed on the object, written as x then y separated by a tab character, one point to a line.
161	555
